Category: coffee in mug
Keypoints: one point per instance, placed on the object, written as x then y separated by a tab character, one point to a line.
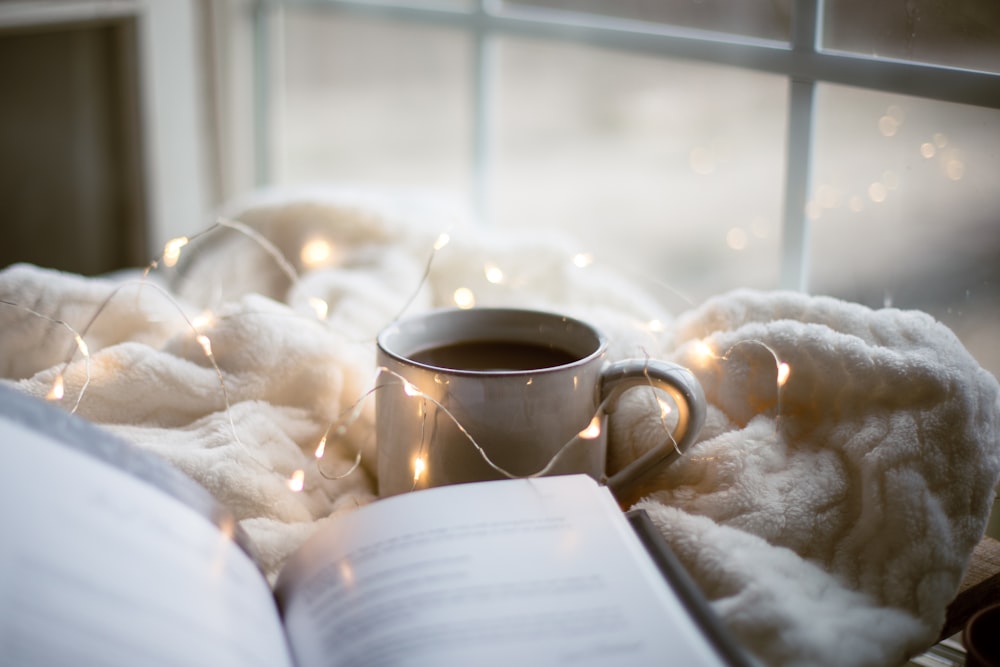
493	355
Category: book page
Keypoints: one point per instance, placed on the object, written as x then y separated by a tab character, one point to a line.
98	567
529	572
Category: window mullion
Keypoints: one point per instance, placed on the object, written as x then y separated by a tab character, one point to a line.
263	91
798	158
795	229
483	102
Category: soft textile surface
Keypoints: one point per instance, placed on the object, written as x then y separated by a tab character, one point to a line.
829	519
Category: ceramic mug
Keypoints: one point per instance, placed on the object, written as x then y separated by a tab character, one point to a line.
981	637
484	393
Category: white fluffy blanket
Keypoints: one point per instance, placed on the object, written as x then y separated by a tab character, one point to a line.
829	520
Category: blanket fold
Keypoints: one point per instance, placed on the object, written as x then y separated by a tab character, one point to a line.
846	470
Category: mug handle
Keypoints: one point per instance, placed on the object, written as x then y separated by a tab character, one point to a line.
687	393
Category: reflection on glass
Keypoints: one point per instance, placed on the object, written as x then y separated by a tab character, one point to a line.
766	19
909	218
666	169
373	101
959	34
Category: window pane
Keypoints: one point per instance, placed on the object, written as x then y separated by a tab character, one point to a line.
766	19
373	101
445	5
670	169
957	33
905	209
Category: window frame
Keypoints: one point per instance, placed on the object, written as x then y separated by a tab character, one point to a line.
171	189
802	60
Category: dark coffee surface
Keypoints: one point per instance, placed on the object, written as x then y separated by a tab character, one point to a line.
492	355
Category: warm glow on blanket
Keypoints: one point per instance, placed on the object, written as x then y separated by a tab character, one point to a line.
346	573
297	481
703	352
172	250
204	321
593	429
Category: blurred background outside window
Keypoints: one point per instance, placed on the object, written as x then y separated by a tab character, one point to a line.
843	147
669	164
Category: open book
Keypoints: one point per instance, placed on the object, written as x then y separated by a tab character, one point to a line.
110	556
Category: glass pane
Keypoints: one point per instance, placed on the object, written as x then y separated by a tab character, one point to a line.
766	19
373	101
670	170
959	33
905	209
444	5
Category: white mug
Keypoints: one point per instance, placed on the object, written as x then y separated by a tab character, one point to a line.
484	393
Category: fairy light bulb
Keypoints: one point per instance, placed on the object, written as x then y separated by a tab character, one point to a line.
493	274
703	352
205	343
441	241
172	250
583	260
297	482
227	528
593	429
321	448
82	346
319	306
784	370
58	389
464	298
316	253
665	408
419	466
410	389
204	321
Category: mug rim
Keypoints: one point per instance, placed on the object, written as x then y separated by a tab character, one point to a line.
971	632
600	347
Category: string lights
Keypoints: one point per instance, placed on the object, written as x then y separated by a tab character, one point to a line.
419	466
591	431
297	481
319	252
170	257
704	353
172	250
58	389
315	253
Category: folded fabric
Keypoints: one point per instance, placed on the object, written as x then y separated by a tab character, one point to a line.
828	510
